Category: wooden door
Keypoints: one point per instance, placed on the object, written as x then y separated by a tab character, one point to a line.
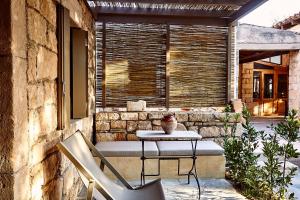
270	92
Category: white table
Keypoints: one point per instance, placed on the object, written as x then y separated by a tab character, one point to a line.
149	135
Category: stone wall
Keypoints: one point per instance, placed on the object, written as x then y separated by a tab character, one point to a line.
119	124
294	80
246	87
31	165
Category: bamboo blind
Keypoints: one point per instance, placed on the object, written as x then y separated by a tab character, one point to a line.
99	66
135	64
198	56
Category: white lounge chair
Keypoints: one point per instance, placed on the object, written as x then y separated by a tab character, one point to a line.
81	153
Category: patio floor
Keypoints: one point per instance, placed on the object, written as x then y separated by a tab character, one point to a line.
178	189
210	189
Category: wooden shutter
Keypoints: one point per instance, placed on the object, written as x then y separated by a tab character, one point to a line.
79	93
198	75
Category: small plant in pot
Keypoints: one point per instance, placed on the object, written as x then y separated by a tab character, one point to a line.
168	123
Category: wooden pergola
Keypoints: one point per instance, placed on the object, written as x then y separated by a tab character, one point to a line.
218	15
207	12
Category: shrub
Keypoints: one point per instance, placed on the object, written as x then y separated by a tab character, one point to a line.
271	180
277	155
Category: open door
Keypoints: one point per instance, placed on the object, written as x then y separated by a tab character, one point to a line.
264	88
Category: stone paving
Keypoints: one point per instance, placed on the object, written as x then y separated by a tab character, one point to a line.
210	189
178	189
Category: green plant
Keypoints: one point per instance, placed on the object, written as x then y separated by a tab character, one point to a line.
270	171
288	130
271	180
239	151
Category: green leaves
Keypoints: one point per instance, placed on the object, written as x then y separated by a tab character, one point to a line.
270	180
239	152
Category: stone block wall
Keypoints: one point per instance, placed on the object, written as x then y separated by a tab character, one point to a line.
294	80
119	124
247	82
31	167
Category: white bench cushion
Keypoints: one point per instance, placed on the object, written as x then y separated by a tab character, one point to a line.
180	148
127	149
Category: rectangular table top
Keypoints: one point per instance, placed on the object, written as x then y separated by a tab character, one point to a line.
161	135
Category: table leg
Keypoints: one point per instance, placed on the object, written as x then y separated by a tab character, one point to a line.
143	163
193	171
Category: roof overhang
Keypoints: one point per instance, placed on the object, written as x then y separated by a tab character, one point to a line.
209	12
257	42
246	56
251	37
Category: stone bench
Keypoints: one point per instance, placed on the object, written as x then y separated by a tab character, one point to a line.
125	156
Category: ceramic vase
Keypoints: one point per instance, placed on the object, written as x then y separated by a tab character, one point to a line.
168	123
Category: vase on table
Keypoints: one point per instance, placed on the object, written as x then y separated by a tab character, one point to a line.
169	123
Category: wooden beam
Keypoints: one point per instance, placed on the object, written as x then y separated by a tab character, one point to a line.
168	67
206	2
60	70
229	66
163	20
160	12
245	9
259	55
104	65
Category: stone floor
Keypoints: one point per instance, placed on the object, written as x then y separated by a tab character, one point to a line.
178	189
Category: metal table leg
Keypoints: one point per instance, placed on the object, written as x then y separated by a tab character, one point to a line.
193	171
143	163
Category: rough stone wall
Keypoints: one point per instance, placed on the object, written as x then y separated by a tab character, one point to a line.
31	167
294	80
116	125
246	86
13	119
247	82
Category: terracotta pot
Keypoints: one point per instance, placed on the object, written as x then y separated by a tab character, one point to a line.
168	124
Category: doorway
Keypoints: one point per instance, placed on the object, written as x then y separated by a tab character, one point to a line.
270	92
264	87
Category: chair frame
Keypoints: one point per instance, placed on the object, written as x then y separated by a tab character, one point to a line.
103	162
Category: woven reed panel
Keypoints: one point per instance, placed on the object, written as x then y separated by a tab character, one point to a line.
198	74
98	65
135	64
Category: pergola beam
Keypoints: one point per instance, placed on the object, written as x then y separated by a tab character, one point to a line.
160	12
163	20
206	2
258	55
245	9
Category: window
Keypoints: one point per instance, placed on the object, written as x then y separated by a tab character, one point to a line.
274	59
72	70
268	86
256	84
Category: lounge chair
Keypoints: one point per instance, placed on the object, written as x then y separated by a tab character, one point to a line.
81	153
